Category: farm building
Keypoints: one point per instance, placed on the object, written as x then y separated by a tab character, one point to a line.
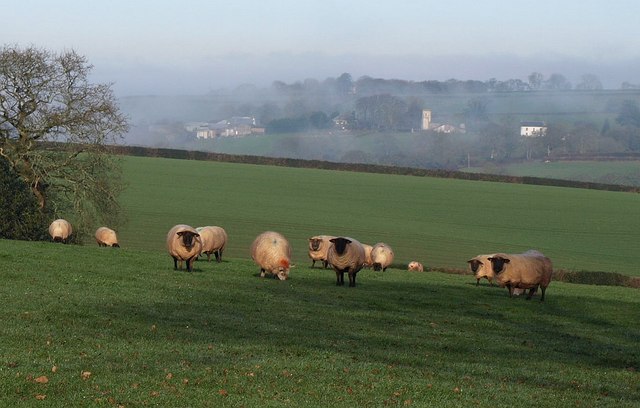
533	129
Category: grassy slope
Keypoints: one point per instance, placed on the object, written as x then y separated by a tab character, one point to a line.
143	334
440	222
610	172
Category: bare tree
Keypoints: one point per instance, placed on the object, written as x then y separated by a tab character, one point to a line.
55	129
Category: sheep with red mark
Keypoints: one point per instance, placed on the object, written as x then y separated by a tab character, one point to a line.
106	237
272	253
318	248
184	245
214	240
60	230
346	255
528	270
381	256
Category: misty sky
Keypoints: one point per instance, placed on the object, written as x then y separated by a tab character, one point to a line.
193	46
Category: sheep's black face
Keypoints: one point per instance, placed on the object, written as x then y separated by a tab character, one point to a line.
340	244
474	264
314	244
188	238
498	263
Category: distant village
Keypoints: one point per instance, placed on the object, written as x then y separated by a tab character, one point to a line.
239	126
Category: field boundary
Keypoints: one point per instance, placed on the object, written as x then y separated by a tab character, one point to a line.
362	168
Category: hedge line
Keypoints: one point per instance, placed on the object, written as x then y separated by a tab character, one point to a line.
364	168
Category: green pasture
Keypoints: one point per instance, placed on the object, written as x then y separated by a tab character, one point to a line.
107	327
439	222
608	172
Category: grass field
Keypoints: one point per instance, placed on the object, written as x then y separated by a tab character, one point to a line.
89	326
608	172
440	222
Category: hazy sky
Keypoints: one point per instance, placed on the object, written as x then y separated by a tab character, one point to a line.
193	46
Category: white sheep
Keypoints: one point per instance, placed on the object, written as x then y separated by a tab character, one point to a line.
183	244
480	266
346	255
318	247
381	256
528	270
106	237
272	253
415	266
60	230
214	240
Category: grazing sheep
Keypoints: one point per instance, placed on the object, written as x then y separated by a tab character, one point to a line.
480	266
183	244
272	252
528	270
415	266
106	237
318	247
214	240
368	263
60	230
381	256
346	255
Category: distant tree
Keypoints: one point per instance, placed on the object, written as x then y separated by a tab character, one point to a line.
380	111
319	120
629	114
476	112
344	84
589	82
557	82
535	80
46	97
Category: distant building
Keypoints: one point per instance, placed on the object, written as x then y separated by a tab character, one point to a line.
533	129
426	119
235	127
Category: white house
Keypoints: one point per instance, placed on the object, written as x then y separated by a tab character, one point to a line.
533	129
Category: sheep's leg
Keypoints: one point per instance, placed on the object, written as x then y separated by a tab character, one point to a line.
218	256
175	263
352	280
477	282
190	264
510	290
261	273
313	263
532	291
542	297
325	263
339	278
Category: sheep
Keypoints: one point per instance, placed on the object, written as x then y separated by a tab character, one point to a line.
318	247
214	240
346	255
272	253
183	244
106	237
381	256
480	266
368	263
528	270
415	266
60	230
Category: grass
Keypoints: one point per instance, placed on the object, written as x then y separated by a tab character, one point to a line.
440	222
119	327
608	172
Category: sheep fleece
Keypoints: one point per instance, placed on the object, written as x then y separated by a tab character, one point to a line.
106	237
175	247
60	229
272	252
381	256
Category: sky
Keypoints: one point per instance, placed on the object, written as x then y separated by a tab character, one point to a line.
148	47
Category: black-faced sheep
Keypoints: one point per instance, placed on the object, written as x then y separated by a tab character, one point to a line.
528	270
415	266
480	266
318	247
272	253
381	256
346	255
214	240
106	237
183	244
60	230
